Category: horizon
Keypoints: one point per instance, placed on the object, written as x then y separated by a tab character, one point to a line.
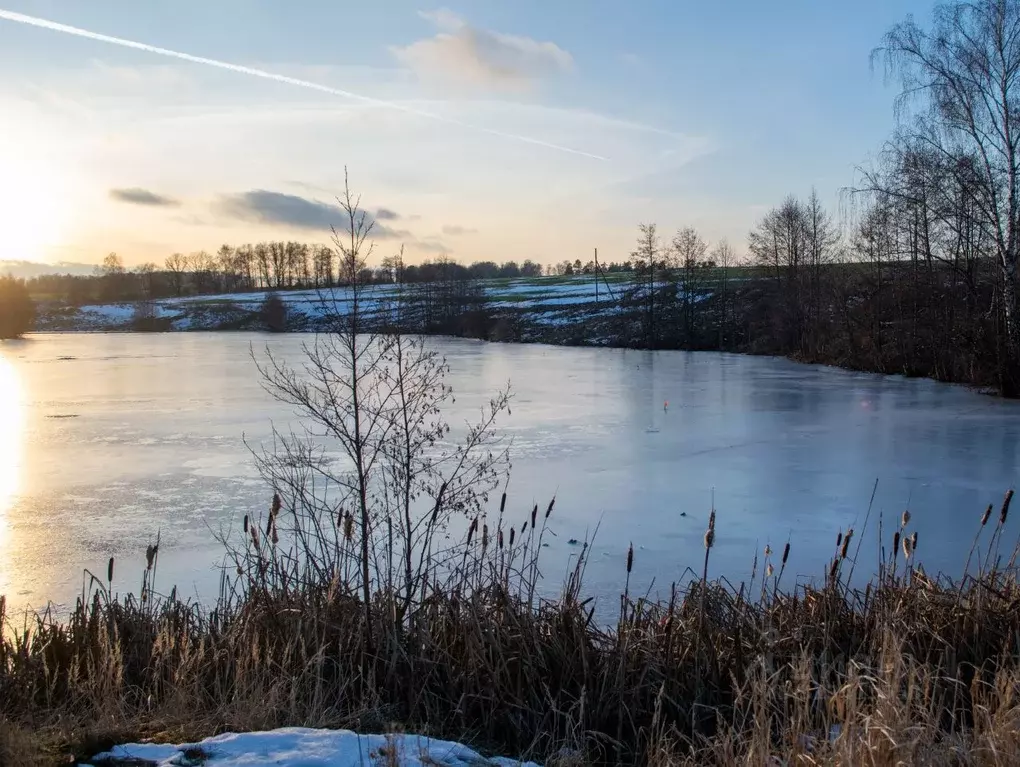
479	133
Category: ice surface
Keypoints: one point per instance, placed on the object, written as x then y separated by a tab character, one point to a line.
301	747
157	444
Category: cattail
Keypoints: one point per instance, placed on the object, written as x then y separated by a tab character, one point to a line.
986	515
245	524
846	543
269	525
502	503
710	533
349	526
277	503
109	571
839	539
896	542
500	534
1005	506
630	558
485	536
913	541
276	538
769	570
768	550
534	515
513	532
905	519
907	547
548	511
150	555
254	535
471	530
833	568
786	552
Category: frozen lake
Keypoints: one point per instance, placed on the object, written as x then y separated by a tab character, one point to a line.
105	439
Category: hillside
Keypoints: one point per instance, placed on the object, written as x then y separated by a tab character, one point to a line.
543	303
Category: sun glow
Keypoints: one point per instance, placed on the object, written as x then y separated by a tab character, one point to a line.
33	203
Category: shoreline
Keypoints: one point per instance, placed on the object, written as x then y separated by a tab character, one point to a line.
981	389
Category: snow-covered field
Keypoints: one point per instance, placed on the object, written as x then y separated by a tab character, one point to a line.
300	747
543	299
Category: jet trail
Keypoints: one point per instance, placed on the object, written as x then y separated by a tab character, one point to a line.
54	26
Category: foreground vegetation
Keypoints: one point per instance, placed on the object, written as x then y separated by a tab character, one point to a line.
911	670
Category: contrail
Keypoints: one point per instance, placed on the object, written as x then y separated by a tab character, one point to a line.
54	26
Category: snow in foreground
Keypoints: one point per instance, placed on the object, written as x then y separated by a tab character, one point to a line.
301	747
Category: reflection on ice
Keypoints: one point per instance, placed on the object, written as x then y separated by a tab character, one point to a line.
12	425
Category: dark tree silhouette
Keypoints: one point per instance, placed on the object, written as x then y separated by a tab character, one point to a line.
17	310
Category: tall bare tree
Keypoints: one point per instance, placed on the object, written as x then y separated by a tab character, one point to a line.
687	252
177	267
376	398
646	256
779	244
722	255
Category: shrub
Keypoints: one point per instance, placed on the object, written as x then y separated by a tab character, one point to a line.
145	319
274	314
17	310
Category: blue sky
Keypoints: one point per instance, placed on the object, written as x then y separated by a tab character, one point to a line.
706	114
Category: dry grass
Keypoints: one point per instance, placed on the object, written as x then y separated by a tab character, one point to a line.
910	670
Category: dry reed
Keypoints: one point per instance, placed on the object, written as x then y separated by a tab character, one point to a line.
913	669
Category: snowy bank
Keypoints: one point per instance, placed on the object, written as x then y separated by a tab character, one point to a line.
301	747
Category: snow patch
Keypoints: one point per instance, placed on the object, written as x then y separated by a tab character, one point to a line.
303	747
112	313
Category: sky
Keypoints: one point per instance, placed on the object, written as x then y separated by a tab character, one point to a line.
480	130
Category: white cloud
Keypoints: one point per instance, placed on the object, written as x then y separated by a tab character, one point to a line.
470	55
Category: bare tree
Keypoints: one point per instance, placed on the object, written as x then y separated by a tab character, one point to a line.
375	398
724	258
203	270
963	74
688	253
646	257
227	263
147	276
779	244
177	267
322	261
113	275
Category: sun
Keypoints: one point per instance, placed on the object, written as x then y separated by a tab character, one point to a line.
33	201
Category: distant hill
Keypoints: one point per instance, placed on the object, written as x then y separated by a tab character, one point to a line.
29	269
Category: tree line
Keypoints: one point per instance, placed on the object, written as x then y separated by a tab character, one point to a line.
276	265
